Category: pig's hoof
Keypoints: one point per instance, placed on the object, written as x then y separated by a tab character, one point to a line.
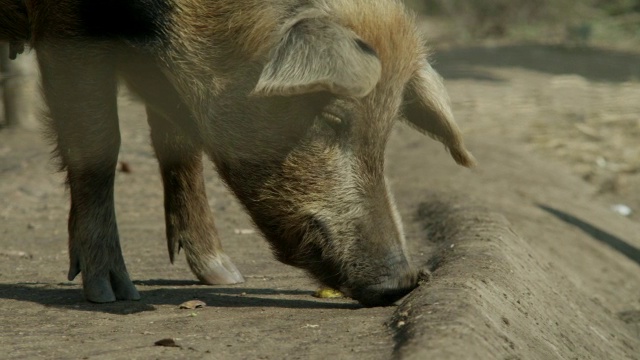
219	270
109	288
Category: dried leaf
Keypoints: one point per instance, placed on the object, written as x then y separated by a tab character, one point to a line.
193	304
124	167
168	342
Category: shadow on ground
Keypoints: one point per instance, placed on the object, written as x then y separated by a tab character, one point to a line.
594	64
69	296
605	237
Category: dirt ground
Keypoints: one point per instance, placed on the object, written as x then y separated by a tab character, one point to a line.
529	259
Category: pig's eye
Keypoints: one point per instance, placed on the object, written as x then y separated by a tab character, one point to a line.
333	121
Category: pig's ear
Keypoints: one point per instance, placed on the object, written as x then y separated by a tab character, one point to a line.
426	107
317	54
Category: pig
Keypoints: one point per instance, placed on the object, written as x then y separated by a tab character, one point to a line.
292	100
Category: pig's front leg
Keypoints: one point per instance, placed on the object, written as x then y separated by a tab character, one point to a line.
189	221
79	84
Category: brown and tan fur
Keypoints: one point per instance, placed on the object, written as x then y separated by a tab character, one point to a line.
293	100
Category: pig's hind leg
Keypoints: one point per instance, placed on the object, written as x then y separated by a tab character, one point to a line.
79	86
189	220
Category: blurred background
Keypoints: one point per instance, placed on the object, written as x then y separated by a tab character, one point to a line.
604	22
559	77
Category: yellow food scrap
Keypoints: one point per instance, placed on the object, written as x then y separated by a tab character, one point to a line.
328	293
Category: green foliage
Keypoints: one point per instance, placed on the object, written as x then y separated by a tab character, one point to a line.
574	20
483	18
618	7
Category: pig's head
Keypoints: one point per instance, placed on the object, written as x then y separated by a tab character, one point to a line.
307	157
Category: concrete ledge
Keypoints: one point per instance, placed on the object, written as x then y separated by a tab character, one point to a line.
492	297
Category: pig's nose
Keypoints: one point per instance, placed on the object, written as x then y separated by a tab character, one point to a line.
387	292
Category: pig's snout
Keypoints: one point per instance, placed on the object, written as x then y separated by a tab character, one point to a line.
391	289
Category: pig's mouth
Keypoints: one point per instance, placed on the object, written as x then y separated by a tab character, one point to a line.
378	291
307	249
314	252
316	247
